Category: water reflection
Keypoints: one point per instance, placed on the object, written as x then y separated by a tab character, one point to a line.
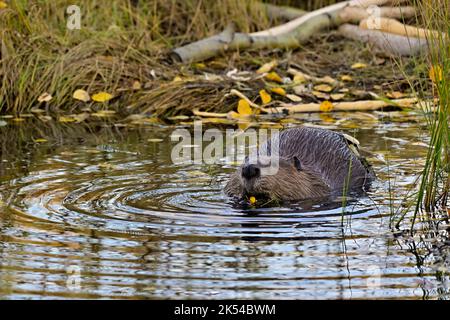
111	206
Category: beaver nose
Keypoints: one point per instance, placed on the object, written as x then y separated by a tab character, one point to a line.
250	171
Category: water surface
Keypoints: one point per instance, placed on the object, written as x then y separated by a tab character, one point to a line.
102	212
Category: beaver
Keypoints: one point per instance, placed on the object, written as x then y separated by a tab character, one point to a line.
312	163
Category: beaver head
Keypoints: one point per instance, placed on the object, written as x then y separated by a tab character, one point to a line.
287	179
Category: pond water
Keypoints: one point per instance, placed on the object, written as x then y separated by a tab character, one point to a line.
102	212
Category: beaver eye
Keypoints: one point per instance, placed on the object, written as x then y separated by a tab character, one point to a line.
297	164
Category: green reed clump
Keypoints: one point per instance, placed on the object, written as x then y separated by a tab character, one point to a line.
434	184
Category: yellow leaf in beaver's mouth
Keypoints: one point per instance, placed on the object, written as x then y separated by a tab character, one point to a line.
326	106
265	96
244	108
102	97
252	200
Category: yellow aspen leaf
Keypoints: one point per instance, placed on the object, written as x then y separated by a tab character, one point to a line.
337	96
102	97
299	78
3	5
294	97
323	88
328	79
267	67
200	65
252	200
435	74
358	65
279	91
244	108
326	106
81	95
346	77
45	97
136	85
395	95
265	96
273	76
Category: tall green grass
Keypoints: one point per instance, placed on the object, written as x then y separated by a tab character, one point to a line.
434	185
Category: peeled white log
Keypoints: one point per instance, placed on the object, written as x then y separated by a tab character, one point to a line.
391	44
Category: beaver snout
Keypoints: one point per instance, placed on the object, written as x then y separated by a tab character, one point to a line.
250	171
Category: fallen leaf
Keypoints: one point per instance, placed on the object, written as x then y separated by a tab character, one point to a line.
265	96
326	106
81	95
102	97
273	76
200	65
279	91
358	65
177	79
436	74
252	200
346	77
328	80
136	85
267	67
323	88
45	97
321	95
337	96
299	78
244	108
294	97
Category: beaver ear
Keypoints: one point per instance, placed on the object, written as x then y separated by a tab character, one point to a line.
297	164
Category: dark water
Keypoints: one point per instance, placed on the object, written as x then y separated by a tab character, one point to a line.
104	213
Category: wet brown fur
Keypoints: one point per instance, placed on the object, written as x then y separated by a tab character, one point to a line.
328	166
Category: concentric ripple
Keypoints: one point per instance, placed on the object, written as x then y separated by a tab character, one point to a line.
137	226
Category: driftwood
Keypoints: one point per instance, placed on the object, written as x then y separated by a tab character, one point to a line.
288	35
391	44
364	105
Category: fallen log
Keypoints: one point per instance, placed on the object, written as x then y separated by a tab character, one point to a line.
288	35
393	26
391	44
364	105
